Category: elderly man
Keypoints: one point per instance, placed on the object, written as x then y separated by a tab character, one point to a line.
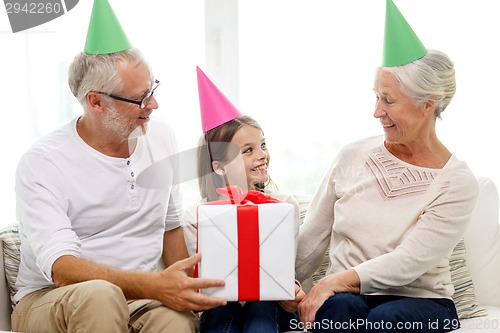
92	237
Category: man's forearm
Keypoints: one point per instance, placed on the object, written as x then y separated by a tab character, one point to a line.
68	270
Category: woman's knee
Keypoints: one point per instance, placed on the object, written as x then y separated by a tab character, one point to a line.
345	300
386	318
343	307
384	314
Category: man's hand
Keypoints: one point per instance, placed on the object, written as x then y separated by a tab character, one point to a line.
178	291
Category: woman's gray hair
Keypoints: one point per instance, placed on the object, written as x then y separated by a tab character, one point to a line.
99	72
431	77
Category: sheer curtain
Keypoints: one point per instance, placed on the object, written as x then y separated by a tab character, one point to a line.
303	68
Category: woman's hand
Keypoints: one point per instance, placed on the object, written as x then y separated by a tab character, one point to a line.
346	281
292	306
314	300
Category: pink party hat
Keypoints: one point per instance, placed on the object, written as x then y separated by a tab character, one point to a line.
215	108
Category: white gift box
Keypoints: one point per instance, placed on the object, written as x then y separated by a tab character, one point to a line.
253	251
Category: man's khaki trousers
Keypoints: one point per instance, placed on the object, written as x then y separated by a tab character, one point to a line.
96	307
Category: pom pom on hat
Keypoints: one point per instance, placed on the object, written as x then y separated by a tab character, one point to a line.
215	107
105	34
401	44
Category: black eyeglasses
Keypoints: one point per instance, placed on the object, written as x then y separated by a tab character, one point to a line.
142	102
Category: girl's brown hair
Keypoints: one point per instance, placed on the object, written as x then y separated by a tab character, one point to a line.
208	180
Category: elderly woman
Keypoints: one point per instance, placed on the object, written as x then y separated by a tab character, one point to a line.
391	209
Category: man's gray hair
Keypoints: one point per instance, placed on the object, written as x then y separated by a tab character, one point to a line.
99	72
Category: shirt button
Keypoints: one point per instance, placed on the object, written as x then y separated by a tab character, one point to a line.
132	174
128	162
132	186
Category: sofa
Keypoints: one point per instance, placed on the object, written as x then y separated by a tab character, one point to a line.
478	288
482	240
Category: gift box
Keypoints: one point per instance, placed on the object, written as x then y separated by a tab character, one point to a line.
250	246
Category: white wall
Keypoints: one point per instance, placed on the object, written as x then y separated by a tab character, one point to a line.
307	69
34	95
305	73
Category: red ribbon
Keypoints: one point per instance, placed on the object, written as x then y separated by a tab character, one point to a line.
248	237
248	253
237	196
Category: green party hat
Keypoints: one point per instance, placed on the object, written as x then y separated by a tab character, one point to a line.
401	44
105	34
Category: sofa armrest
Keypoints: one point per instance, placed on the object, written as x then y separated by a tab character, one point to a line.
483	244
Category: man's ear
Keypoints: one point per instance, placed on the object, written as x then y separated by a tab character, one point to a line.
95	101
218	168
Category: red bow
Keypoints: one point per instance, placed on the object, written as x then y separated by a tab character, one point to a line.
237	196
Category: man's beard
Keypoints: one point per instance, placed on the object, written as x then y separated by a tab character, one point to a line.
119	128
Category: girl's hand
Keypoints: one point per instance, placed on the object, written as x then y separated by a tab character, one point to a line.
292	306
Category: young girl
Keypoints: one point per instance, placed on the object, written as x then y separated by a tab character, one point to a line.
244	162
